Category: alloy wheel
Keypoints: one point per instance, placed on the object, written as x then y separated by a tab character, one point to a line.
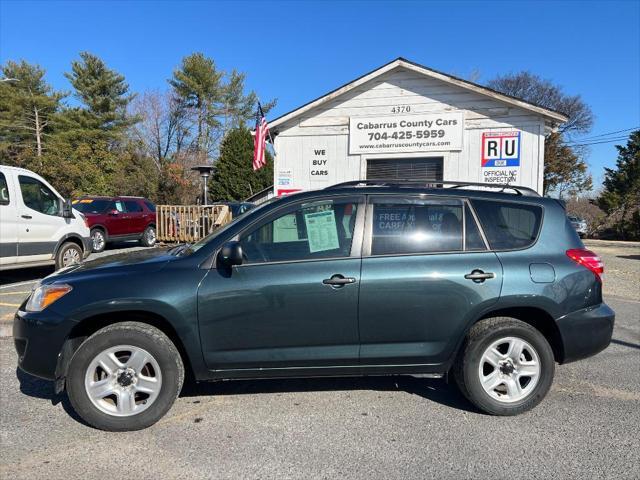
509	369
98	241
123	380
70	257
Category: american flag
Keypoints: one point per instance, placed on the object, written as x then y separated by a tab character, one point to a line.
259	143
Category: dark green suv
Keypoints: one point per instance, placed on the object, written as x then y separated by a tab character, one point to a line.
363	278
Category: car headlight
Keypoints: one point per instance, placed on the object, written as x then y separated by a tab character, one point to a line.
45	295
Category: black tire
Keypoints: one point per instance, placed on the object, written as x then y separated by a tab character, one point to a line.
480	337
98	234
139	335
148	237
68	249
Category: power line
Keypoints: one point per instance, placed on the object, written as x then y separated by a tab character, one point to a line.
612	140
593	137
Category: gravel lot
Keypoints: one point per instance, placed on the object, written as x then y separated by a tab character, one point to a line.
621	266
388	427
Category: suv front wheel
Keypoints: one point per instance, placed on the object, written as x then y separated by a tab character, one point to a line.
124	377
505	366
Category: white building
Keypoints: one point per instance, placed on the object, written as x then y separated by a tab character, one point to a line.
406	121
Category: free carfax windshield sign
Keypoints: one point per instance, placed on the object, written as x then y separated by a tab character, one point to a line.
501	149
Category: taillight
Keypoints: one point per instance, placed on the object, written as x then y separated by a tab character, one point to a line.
587	259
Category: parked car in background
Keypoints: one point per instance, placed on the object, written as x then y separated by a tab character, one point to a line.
114	219
37	226
363	278
579	225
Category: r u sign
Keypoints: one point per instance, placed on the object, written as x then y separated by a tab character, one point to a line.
501	149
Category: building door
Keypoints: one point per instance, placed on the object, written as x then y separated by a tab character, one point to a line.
418	169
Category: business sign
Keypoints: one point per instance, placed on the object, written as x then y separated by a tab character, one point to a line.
501	149
406	133
501	157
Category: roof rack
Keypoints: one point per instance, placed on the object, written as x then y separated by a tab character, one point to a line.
519	190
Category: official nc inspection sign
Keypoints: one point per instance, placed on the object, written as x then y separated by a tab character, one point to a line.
429	132
501	149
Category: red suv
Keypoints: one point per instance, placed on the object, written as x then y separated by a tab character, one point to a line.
114	219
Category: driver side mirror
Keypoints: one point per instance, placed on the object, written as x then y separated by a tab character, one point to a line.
230	254
67	209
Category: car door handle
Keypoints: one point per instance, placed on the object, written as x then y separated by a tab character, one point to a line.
28	217
479	276
338	280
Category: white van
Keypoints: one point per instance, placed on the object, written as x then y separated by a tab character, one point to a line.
38	227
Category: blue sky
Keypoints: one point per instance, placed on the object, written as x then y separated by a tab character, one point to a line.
297	51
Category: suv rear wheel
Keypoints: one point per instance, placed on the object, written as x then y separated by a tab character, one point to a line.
505	366
148	237
68	254
125	377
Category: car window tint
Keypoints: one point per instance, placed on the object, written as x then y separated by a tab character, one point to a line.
150	206
132	206
37	196
473	238
4	190
508	225
321	229
88	205
416	226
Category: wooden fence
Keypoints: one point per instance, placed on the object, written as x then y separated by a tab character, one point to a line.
189	223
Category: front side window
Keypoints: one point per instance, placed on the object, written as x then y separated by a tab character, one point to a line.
508	226
150	206
4	190
314	230
37	196
404	226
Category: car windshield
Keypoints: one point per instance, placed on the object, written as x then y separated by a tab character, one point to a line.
89	205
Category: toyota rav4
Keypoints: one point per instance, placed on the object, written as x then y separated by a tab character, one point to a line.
362	278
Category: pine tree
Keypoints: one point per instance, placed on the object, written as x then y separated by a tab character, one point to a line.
105	95
27	105
233	175
620	198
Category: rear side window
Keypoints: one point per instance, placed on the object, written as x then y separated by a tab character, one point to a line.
508	226
132	206
150	206
404	226
4	190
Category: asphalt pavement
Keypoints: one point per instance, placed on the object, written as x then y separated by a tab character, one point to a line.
377	427
386	427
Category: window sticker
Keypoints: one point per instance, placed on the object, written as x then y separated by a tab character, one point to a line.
322	231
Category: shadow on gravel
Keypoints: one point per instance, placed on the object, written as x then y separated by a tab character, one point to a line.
625	344
39	388
629	257
435	390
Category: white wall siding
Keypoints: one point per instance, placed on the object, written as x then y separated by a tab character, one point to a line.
326	127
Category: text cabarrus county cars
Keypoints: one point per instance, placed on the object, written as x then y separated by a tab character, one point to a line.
363	278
